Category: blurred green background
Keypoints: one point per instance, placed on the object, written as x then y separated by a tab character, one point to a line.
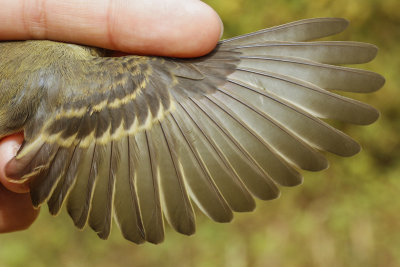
348	215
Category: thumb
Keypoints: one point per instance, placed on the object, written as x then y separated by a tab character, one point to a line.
8	149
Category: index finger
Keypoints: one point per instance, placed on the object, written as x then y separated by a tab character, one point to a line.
158	27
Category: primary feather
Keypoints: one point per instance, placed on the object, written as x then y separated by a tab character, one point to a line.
145	138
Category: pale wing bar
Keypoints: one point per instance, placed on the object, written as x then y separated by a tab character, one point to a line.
214	131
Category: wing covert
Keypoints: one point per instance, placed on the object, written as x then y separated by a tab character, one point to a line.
143	138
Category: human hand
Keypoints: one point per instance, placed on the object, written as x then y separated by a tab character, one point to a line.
173	28
16	211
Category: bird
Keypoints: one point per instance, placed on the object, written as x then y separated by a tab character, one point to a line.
144	140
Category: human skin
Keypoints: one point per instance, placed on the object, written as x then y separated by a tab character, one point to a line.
176	28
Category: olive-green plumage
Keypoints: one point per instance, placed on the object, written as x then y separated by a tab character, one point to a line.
143	138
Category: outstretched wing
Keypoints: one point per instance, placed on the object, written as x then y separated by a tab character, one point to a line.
144	137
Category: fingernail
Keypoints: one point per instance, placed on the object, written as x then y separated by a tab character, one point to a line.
15	147
222	28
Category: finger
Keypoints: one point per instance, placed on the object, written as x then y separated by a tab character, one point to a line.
16	211
8	149
159	27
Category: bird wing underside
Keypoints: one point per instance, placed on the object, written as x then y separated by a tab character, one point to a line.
160	134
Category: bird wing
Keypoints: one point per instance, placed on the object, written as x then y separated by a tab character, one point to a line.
142	138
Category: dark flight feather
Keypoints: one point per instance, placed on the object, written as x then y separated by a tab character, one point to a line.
146	138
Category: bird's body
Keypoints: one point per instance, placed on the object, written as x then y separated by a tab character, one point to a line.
144	137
